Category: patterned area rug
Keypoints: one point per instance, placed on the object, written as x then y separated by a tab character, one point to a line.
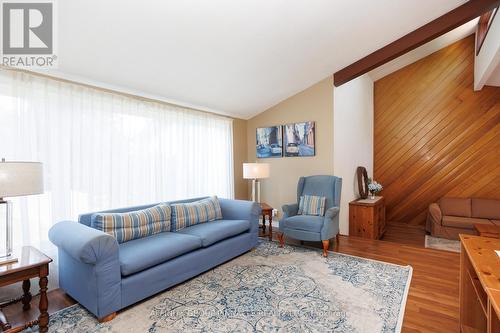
442	244
269	289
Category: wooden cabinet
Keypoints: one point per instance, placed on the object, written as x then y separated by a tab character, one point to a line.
367	218
479	284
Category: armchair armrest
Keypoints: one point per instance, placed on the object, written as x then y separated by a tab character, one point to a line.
290	210
83	243
330	223
332	212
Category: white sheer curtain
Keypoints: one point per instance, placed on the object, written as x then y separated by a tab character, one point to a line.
102	150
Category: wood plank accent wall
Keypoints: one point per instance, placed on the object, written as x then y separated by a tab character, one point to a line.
434	135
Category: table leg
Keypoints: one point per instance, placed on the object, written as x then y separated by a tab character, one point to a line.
43	319
26	295
271	226
263	223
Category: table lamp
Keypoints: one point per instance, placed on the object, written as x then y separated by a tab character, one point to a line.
16	179
255	171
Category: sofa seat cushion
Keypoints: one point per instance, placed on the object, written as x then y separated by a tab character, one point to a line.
462	222
486	209
139	254
213	232
304	222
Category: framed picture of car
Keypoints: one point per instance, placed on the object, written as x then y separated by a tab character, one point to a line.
299	139
269	141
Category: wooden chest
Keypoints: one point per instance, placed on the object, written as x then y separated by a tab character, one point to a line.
367	218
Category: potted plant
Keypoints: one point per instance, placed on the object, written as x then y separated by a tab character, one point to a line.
374	188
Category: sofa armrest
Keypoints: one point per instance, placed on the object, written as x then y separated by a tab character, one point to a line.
89	267
83	243
290	210
435	212
434	216
241	210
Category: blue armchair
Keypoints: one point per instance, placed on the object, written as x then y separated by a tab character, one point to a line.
313	228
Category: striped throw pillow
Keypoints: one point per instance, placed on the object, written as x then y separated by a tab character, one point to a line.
312	205
132	225
191	213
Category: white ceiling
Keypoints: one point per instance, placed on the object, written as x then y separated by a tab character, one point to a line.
231	57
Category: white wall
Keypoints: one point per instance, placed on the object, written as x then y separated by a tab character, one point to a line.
488	59
353	138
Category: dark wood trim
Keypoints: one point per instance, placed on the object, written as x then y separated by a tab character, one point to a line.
443	24
483	27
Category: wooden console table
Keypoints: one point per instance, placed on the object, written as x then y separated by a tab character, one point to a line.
367	218
479	284
31	263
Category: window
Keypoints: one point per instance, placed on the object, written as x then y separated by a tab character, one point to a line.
102	150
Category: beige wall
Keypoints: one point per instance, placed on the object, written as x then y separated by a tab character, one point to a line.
312	104
239	157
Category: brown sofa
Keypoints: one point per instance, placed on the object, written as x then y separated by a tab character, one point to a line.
450	217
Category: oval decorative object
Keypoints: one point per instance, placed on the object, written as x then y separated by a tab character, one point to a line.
362	182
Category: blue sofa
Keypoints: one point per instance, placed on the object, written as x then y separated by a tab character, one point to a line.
105	276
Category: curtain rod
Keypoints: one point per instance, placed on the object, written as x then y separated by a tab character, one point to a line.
107	90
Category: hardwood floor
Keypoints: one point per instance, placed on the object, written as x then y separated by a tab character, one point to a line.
405	234
432	304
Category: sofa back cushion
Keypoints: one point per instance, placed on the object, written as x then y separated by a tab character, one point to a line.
312	205
136	224
87	217
188	214
486	208
456	206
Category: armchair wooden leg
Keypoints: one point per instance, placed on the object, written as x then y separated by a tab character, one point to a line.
107	318
326	245
281	239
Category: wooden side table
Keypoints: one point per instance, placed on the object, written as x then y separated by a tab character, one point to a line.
487	230
267	211
367	218
31	264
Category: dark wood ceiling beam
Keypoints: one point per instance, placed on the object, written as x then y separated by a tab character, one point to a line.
443	24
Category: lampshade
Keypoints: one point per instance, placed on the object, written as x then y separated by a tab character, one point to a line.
255	170
20	178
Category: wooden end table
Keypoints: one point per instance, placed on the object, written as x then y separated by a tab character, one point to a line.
367	218
487	230
267	211
30	263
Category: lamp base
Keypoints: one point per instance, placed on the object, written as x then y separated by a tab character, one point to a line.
6	233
